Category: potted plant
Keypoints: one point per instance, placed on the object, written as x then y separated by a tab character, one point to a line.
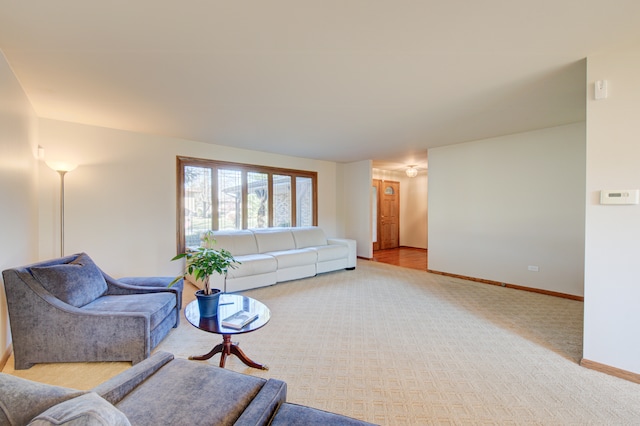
203	262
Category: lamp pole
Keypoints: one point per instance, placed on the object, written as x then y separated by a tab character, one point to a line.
62	173
62	169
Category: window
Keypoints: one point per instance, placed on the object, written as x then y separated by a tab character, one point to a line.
219	195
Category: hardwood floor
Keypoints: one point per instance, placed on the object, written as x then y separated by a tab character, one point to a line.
407	257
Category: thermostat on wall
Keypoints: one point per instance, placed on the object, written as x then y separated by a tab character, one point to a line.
619	196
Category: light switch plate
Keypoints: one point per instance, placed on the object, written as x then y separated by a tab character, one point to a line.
601	89
619	196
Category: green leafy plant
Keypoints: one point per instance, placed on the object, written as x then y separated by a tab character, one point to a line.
205	261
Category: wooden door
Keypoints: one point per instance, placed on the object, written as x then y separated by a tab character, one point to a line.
375	214
389	218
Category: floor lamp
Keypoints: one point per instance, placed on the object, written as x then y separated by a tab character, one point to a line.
62	169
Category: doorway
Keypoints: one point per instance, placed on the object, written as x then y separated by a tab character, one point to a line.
386	214
406	257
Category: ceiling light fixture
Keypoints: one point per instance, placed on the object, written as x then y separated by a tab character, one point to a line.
412	171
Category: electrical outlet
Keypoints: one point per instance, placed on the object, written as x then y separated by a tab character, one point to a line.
533	268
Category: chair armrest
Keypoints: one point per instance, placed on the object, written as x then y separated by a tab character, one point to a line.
156	283
116	388
116	287
162	282
263	407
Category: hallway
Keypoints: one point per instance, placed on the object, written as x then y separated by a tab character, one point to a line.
406	257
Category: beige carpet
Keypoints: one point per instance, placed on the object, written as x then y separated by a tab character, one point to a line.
398	346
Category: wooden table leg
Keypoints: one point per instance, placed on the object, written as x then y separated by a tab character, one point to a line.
215	350
227	348
235	350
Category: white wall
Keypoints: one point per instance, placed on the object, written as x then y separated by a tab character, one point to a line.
357	205
413	206
413	210
500	205
121	201
612	283
18	192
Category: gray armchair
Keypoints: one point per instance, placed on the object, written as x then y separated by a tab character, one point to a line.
161	390
68	310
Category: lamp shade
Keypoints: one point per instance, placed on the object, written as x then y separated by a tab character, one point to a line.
61	166
412	171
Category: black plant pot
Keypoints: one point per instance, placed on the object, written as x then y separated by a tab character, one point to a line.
208	303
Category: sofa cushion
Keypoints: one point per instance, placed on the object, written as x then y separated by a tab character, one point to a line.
294	258
253	264
309	237
76	283
85	410
21	400
274	239
157	305
238	243
182	383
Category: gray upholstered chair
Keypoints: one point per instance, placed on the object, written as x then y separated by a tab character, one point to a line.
161	390
68	310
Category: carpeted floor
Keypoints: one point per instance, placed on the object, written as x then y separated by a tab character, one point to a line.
398	346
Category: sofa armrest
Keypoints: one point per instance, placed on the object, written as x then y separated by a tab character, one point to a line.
116	388
351	244
265	404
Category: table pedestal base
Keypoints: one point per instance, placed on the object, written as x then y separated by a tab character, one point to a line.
228	348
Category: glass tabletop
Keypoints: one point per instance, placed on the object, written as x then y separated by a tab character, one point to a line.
229	304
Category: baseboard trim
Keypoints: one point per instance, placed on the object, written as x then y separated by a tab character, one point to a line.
611	371
414	248
5	356
514	286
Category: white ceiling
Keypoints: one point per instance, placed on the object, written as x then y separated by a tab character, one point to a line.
338	80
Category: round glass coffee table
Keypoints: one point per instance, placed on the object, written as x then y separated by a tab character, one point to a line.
229	304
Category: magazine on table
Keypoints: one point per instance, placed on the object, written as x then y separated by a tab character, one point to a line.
239	319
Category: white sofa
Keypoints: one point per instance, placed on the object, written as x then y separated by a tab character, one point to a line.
272	255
